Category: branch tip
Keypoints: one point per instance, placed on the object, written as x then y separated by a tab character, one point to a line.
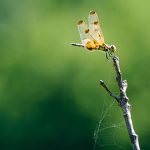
101	82
115	58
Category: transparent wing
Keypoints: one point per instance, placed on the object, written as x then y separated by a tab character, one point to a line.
94	27
84	32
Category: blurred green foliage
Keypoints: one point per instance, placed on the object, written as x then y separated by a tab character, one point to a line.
49	91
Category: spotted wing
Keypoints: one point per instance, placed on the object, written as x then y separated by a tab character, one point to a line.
84	32
94	27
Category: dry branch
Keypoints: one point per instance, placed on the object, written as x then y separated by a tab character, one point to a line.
123	103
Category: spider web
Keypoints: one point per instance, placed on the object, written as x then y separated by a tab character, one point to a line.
109	129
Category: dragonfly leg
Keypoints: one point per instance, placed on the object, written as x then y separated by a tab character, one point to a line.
107	55
110	54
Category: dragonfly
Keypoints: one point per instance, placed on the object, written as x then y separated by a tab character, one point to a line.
91	36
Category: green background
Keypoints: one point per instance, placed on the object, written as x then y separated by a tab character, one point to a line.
50	98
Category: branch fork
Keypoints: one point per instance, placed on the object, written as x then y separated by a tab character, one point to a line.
122	100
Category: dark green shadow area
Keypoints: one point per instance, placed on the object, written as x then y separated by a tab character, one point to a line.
54	123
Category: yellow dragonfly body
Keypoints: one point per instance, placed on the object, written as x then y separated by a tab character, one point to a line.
91	35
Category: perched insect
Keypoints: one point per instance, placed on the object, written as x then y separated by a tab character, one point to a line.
91	36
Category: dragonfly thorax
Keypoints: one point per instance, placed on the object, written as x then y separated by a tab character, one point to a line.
91	45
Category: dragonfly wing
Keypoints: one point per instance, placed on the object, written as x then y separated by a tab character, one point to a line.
94	27
84	32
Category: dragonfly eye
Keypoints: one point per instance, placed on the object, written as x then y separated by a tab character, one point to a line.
113	47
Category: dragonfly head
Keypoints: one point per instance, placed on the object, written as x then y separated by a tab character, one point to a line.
112	48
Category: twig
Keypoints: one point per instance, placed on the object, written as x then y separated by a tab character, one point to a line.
123	103
102	83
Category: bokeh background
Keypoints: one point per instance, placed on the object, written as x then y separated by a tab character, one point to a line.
50	98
